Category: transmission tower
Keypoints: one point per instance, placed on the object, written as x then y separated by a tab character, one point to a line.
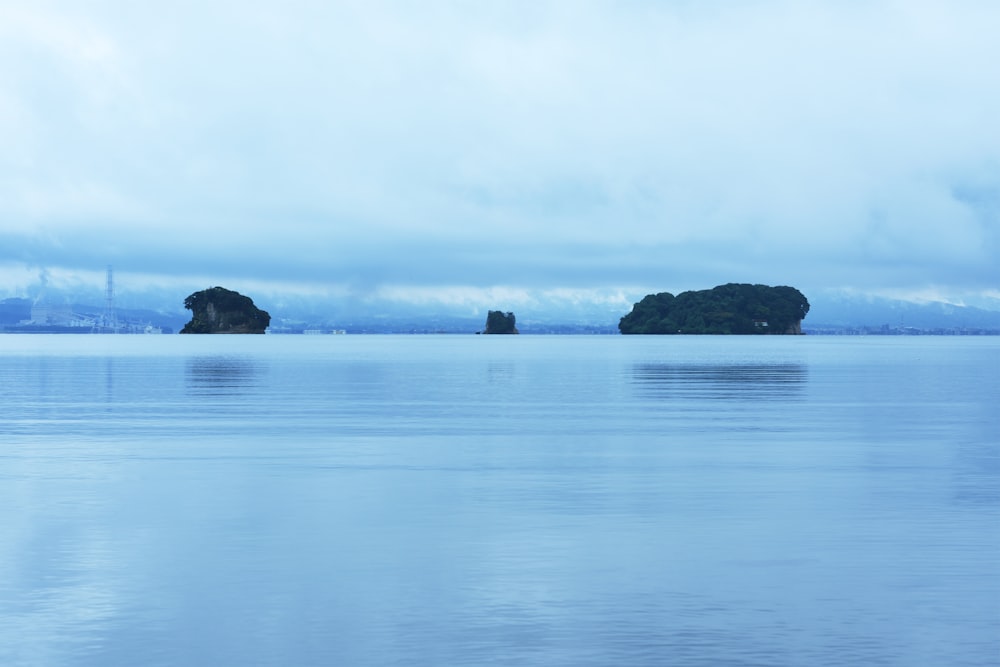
110	319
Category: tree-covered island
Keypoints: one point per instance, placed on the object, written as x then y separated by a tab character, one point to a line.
734	308
222	311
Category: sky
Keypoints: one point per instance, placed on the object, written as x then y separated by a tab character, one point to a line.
465	152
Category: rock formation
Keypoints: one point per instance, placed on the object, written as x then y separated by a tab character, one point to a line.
222	311
498	322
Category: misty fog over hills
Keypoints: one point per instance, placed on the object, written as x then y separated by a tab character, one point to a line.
845	313
830	313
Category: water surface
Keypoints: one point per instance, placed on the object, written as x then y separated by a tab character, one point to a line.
524	500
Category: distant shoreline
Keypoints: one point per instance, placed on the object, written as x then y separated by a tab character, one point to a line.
555	331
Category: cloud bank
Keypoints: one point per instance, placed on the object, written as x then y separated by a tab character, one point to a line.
380	146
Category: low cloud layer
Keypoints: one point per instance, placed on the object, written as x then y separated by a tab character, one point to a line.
383	146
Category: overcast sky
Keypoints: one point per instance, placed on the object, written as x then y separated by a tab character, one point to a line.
462	148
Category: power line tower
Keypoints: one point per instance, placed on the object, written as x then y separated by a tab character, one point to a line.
110	319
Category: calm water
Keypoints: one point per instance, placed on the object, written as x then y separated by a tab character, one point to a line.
471	500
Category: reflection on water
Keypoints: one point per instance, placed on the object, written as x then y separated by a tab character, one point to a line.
222	374
416	501
500	373
109	380
720	381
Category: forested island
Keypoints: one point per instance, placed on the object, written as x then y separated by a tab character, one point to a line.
734	308
222	311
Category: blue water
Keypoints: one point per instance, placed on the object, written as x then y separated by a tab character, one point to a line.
523	500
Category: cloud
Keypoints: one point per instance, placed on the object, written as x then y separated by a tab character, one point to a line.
536	146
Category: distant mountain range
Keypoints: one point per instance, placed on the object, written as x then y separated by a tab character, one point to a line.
878	314
829	314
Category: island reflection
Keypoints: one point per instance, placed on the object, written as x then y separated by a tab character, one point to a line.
720	381
222	375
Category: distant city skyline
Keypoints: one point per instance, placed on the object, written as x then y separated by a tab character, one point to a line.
477	156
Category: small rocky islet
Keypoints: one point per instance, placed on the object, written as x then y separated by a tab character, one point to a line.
218	310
